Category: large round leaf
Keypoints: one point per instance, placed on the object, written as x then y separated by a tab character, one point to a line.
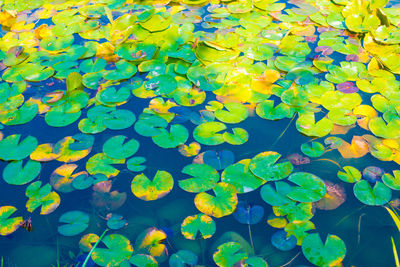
118	248
204	178
143	188
207	133
116	148
198	224
264	166
310	187
17	174
73	223
378	195
224	202
11	148
8	225
329	254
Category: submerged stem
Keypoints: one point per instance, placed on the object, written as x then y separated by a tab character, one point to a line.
251	238
91	251
359	228
289	262
329	160
287	127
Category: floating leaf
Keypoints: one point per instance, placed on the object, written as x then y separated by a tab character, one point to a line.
372	174
204	178
148	190
334	197
73	223
224	202
314	150
100	163
240	176
41	196
311	188
8	225
199	223
379	195
17	174
207	133
229	254
282	241
247	213
116	148
278	196
118	248
218	160
150	242
183	257
350	174
11	148
329	254
264	166
177	136
392	181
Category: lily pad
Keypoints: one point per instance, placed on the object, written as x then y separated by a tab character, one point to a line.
378	195
229	254
8	225
118	248
148	190
392	181
282	241
11	148
183	257
329	254
248	213
314	150
116	147
199	224
17	174
223	204
264	166
311	187
73	223
204	178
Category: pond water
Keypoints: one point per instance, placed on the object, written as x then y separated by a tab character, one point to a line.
286	113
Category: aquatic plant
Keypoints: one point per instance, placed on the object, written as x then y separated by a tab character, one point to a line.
94	91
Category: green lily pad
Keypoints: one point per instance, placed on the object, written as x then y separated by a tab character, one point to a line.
8	225
177	136
329	254
223	204
294	212
73	223
143	260
314	150
198	224
119	119
41	196
350	174
17	174
207	133
311	187
379	195
116	221
118	248
266	110
133	164
162	84
229	254
101	163
204	178
150	125
183	257
240	176
11	148
264	166
23	115
392	181
146	189
306	124
239	136
115	148
235	113
277	196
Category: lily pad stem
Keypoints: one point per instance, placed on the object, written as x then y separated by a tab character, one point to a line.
251	238
95	245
